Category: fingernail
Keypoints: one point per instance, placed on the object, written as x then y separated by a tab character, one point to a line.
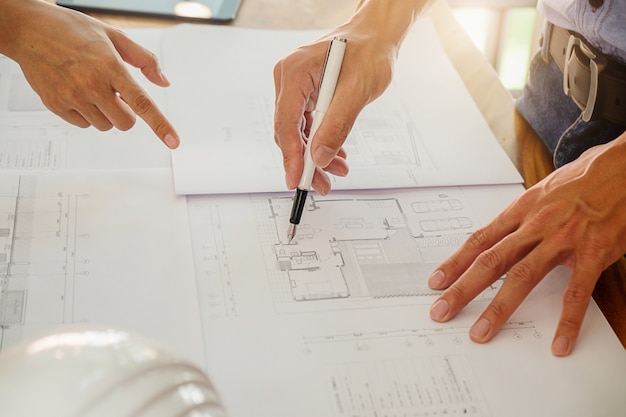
480	329
163	77
560	346
439	310
291	184
323	155
437	279
171	141
323	190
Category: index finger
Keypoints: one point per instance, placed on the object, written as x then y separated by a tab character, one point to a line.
478	242
141	103
290	107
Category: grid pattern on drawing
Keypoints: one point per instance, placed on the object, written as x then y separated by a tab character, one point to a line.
265	219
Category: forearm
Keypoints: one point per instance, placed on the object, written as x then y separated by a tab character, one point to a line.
41	36
389	20
16	18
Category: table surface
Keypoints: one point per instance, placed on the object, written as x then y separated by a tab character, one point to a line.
493	100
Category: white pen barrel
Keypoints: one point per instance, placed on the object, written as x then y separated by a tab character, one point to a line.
309	166
330	74
328	82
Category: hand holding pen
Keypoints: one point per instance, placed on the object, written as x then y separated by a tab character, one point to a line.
365	74
328	82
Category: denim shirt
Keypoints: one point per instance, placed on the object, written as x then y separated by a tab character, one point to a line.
552	114
604	27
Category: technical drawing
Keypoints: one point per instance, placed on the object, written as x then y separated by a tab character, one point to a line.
409	337
369	248
31	137
385	137
31	149
211	259
450	204
425	386
365	249
39	236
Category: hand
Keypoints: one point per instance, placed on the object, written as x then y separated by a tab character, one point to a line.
296	79
574	217
366	72
76	65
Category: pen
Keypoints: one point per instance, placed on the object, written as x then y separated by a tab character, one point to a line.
328	82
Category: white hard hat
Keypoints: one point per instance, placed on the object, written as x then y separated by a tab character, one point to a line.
101	372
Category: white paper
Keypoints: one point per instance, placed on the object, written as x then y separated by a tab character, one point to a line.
110	248
333	324
425	130
336	323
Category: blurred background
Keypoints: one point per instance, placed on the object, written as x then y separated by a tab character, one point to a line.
506	31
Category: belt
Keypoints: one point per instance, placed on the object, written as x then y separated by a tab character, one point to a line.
595	82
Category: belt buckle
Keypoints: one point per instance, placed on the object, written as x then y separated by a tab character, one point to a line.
596	66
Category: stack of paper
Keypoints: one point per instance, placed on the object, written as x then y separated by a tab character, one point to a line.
103	228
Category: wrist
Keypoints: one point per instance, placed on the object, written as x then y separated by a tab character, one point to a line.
15	22
388	20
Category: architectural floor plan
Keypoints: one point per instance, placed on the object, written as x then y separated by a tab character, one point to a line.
372	248
94	229
350	249
339	315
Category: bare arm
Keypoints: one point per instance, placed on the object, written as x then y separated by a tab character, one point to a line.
76	65
375	33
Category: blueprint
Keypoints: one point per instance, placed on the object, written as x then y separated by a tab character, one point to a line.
108	248
336	322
